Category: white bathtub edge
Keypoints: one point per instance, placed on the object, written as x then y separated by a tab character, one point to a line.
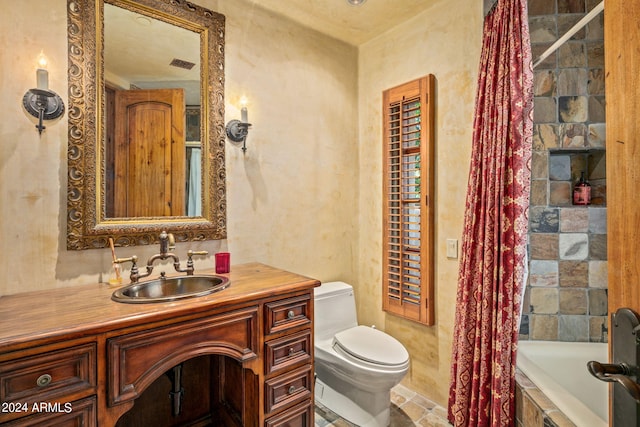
573	408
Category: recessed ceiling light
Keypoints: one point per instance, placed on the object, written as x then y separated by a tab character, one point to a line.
142	20
355	2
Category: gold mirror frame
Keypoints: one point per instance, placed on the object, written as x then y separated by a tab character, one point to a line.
87	225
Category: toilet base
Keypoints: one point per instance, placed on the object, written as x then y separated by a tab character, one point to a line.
359	407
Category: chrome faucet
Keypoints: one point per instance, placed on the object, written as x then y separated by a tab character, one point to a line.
167	243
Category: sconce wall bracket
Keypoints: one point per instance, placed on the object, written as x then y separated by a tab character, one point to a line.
43	104
237	131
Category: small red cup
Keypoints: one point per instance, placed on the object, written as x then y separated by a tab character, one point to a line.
223	262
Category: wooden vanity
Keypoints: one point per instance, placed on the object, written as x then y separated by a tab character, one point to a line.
73	357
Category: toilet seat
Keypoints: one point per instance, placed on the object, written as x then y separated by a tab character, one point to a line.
372	346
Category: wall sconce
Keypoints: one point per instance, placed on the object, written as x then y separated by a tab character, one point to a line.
41	102
237	130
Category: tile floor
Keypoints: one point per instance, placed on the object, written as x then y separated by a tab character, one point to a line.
408	409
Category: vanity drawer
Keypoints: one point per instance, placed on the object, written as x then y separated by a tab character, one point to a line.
298	416
288	389
81	413
287	313
47	376
284	352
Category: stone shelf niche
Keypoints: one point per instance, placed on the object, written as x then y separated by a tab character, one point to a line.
565	168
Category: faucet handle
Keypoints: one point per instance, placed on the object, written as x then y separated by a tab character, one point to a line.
172	241
191	253
134	266
132	259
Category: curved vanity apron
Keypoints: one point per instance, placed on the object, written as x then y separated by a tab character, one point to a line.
371	345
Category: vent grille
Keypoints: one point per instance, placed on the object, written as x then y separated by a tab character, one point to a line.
182	64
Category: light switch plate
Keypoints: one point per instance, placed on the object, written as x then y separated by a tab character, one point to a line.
452	248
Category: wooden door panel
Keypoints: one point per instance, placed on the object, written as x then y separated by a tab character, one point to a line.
622	67
622	63
149	160
150	154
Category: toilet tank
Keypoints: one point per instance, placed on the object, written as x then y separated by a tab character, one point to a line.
334	309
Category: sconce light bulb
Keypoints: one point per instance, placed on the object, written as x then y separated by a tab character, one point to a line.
42	75
42	61
244	116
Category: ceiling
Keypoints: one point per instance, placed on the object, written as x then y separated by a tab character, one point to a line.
352	24
138	49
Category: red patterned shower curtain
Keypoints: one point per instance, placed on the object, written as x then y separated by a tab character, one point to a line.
493	261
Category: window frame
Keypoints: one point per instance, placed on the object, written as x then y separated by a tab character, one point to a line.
405	294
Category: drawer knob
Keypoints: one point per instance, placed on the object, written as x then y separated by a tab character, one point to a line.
43	380
291	350
292	389
291	314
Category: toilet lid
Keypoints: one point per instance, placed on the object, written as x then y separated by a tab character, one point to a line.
372	345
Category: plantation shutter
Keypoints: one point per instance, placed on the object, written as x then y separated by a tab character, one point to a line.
408	154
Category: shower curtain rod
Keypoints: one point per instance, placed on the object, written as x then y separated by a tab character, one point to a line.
584	21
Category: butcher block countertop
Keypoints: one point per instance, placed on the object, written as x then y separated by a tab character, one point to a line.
31	317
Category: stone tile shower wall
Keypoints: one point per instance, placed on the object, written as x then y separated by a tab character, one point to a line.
566	294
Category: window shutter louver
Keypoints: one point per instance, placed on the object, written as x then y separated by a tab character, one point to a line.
407	200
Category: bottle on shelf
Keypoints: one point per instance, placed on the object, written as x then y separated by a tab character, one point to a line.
582	191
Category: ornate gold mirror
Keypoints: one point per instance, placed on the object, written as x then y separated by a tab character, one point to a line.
146	122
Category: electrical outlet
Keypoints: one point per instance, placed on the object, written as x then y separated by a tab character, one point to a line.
452	248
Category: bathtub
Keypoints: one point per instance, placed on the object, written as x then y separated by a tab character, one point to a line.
559	370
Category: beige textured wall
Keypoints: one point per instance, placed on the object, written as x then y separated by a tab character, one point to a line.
444	41
291	198
307	194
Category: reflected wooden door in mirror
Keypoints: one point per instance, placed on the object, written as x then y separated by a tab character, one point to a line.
128	182
149	154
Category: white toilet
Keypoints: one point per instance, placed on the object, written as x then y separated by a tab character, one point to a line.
356	366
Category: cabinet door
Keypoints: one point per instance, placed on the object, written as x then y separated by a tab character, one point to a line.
137	359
